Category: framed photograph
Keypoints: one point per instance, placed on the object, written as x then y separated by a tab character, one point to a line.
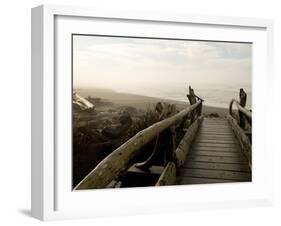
137	112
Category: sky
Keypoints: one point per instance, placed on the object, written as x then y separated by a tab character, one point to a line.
137	65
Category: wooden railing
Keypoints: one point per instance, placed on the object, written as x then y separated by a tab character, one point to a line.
121	159
243	113
241	124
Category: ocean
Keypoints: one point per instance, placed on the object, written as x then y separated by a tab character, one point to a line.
216	95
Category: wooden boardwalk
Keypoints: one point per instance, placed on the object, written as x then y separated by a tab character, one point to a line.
212	150
215	156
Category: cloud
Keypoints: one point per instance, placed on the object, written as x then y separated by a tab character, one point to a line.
117	63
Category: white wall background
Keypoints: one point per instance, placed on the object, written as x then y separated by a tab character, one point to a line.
15	111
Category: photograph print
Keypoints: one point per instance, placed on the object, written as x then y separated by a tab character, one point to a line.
156	112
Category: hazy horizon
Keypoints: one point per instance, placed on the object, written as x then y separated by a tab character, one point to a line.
162	68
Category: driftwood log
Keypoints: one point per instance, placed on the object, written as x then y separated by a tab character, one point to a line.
168	176
242	138
243	112
243	100
238	125
185	144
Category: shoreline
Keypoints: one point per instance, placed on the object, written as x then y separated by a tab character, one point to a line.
143	102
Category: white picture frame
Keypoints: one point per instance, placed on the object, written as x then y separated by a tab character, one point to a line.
51	199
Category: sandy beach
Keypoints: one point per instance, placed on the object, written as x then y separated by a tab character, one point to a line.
143	102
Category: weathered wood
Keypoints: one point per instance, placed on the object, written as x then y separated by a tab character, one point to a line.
245	111
217	174
229	149
121	159
218	159
215	122
217	145
156	170
168	176
241	109
215	137
204	140
149	161
214	133
185	144
242	138
219	166
199	180
214	149
217	130
213	130
191	96
242	97
114	184
216	127
213	159
192	100
215	153
242	104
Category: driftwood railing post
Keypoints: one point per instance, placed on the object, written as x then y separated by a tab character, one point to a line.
238	125
243	99
192	100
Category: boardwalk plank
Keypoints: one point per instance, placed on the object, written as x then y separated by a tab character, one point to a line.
218	166
216	174
198	180
214	136
203	158
215	126
231	149
215	133
216	153
217	141
219	145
